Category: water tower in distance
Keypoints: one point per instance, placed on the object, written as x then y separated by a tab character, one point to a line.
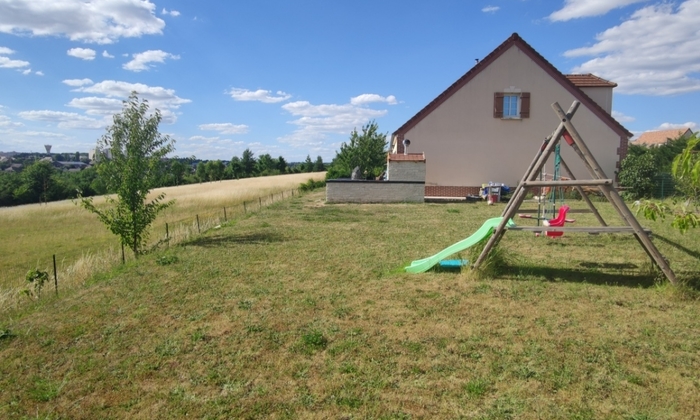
48	148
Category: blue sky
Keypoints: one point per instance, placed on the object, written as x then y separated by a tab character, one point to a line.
293	78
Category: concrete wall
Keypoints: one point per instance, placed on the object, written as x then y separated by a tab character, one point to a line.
465	145
351	191
406	171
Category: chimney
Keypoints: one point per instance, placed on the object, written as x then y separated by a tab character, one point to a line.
406	143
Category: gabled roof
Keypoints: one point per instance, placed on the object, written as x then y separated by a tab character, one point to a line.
589	80
515	41
657	138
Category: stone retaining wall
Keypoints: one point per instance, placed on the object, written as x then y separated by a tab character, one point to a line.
359	191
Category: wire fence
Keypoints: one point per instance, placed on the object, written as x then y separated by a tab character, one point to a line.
176	231
664	186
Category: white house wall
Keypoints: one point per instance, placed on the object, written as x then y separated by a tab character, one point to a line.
465	145
603	96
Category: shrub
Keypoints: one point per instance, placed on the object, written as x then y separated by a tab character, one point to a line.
311	185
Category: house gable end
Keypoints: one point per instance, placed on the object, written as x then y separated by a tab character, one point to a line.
513	41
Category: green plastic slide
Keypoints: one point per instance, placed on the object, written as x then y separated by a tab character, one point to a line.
420	266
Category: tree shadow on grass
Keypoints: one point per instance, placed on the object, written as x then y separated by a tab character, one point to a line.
626	275
678	246
256	238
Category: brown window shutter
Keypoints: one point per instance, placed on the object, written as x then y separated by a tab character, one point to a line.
525	105
498	105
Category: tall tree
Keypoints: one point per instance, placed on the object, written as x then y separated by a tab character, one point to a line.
201	171
215	170
39	183
366	151
248	163
265	164
318	165
136	149
178	169
234	170
281	165
308	165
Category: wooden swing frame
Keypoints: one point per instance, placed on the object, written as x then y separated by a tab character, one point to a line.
598	179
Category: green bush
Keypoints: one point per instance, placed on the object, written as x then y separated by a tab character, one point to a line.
311	185
637	175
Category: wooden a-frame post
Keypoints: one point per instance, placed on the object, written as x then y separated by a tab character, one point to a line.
598	179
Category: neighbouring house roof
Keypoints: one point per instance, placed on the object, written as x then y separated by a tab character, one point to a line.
517	41
657	138
411	157
589	80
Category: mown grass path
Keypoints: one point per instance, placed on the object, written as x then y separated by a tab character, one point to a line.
302	311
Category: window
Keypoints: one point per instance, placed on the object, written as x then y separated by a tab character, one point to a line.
511	105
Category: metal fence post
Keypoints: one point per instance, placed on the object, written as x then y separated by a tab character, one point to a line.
55	276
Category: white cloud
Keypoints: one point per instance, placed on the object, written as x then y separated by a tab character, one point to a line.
82	53
315	122
173	13
97	106
26	72
68	120
5	121
225	128
574	9
620	117
39	73
368	98
260	95
105	54
490	9
77	82
115	91
7	63
669	126
655	52
101	22
141	60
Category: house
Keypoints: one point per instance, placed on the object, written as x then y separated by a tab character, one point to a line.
489	124
661	137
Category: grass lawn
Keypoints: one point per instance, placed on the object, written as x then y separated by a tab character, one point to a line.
302	310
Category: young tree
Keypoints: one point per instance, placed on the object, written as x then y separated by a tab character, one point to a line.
136	147
366	150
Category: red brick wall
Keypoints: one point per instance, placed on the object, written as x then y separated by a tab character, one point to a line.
447	191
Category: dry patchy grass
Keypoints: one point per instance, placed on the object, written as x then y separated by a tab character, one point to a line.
33	233
302	311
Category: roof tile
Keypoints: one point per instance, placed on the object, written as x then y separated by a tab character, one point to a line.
656	138
589	80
